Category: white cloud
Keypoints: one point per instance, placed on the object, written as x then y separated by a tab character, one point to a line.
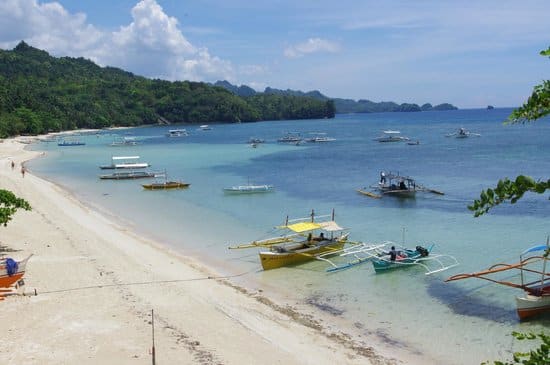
312	45
151	45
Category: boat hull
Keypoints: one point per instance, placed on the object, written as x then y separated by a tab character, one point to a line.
7	280
272	259
123	176
165	186
532	305
249	189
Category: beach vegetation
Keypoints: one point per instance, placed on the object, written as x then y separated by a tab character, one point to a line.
9	204
40	93
536	107
537	356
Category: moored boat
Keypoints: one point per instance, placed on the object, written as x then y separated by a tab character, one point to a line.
177	133
249	189
391	136
402	257
125	162
69	143
305	239
394	184
534	268
166	185
126	175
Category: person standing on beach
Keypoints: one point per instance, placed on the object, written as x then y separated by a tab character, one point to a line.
12	165
23	171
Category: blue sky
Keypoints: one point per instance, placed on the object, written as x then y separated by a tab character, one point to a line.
468	53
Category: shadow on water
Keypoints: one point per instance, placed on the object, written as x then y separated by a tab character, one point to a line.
462	302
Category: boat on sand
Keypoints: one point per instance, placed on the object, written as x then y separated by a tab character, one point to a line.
12	271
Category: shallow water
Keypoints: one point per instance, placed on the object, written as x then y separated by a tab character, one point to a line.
463	322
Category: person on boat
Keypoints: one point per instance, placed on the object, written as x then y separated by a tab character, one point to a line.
321	237
392	253
309	237
382	178
402	185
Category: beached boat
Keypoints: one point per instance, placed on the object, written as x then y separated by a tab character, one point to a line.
69	143
177	133
401	257
127	175
125	162
11	271
462	133
534	280
391	136
396	185
249	189
304	239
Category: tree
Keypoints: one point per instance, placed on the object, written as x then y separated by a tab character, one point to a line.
9	204
537	106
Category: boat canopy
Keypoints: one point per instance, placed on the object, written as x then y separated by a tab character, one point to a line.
125	157
330	226
392	132
303	227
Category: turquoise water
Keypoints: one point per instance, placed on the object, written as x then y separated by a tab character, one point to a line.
449	323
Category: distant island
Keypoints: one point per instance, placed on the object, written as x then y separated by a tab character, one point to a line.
341	105
41	93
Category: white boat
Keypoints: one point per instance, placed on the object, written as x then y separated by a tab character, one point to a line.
124	142
320	138
177	133
291	137
462	133
125	162
391	136
126	175
205	127
249	189
397	185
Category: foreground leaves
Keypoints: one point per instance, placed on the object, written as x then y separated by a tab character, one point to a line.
539	356
9	204
507	190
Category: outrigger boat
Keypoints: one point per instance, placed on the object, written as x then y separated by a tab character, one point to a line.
166	184
462	133
396	185
534	268
12	271
391	136
249	189
305	239
402	257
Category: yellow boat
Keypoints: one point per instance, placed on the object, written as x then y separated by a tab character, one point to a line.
305	239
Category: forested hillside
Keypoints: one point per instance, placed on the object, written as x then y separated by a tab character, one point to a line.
40	93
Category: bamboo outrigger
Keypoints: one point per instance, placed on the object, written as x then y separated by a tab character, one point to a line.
536	298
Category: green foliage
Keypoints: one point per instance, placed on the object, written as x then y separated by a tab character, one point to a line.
537	106
538	356
40	93
507	190
9	204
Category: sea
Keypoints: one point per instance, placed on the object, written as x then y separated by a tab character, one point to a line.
462	322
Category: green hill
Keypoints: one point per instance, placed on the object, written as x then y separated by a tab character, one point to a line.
41	93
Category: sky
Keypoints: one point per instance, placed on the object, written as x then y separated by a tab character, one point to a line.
468	53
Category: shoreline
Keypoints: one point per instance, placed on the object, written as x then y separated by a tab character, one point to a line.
97	283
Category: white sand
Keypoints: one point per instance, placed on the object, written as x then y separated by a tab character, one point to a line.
93	280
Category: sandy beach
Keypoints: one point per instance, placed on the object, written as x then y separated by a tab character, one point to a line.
96	283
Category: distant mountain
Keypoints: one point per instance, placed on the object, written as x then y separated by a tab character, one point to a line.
341	105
